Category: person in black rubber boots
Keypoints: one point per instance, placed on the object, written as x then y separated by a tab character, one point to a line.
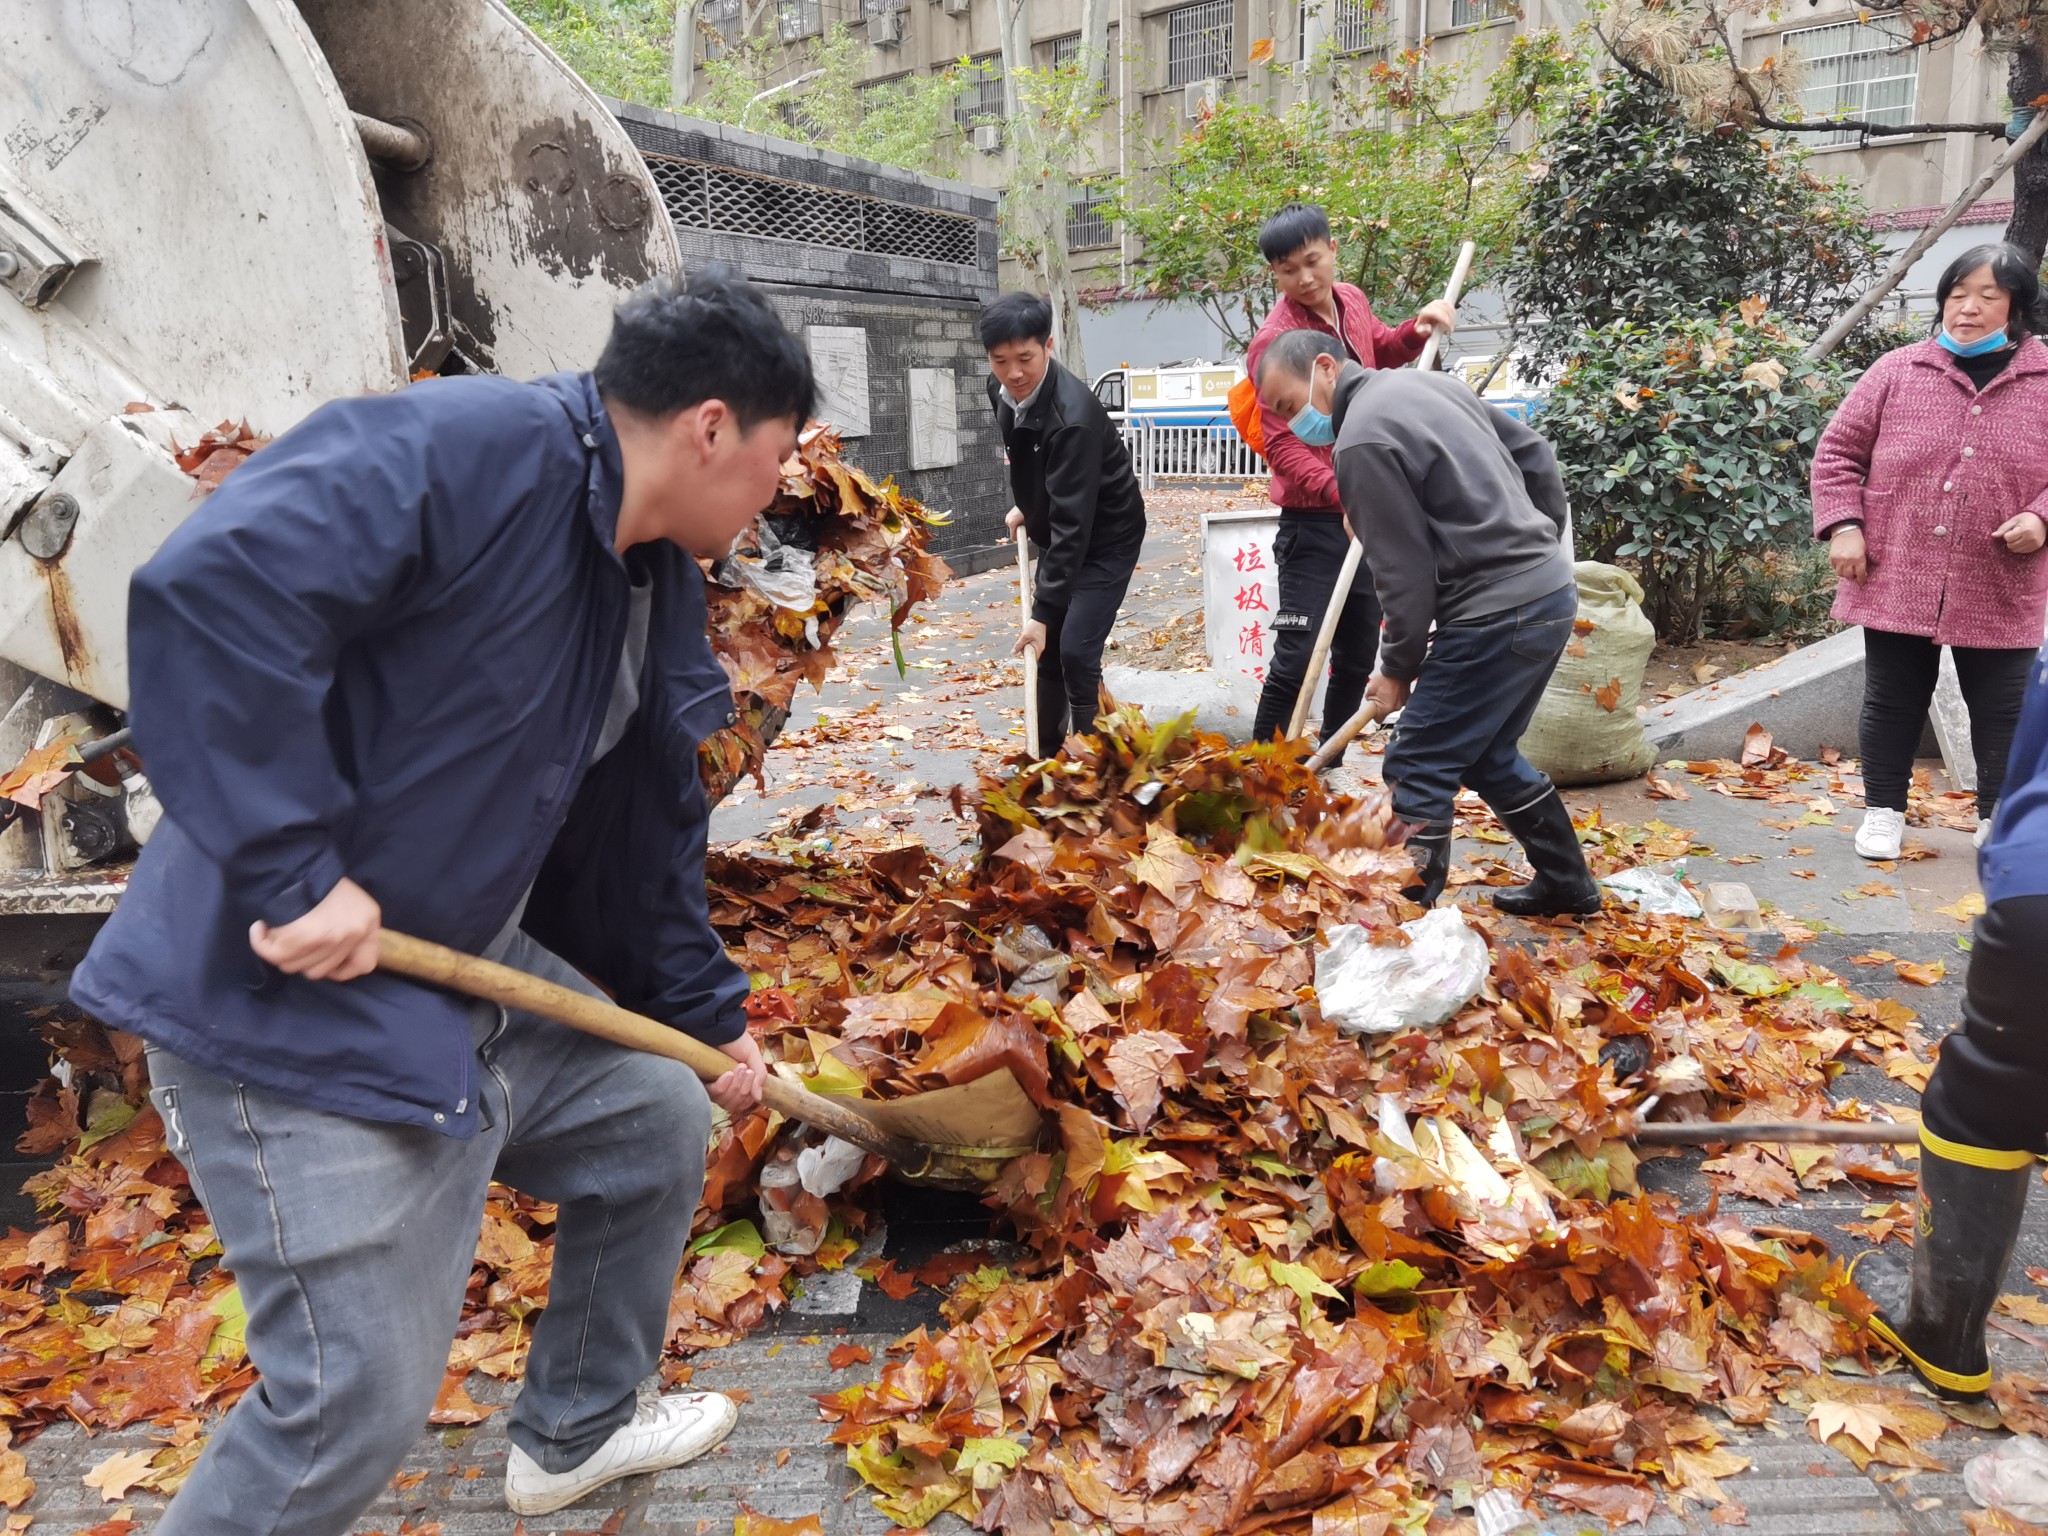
1077	496
1984	1117
1462	510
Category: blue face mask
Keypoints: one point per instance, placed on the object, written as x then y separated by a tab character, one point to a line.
1977	348
1313	427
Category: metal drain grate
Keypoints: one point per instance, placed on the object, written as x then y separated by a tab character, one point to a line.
701	196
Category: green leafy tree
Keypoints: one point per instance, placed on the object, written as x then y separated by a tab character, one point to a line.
621	47
1633	212
1685	449
907	122
1404	176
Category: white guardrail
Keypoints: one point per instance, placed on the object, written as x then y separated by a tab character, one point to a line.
1168	452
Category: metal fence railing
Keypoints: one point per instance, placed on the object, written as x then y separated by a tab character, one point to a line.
1166	452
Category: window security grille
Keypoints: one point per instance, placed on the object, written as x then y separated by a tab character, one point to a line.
1201	41
1087	228
723	17
982	99
1066	49
1355	24
1476	13
882	7
1855	70
700	196
796	19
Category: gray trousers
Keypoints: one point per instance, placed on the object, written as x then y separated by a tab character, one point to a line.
352	1240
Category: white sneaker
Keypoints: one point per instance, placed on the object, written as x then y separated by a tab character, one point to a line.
663	1432
1983	833
1882	833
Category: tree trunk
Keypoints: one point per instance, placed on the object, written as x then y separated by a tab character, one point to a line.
1036	202
2028	228
682	80
1095	40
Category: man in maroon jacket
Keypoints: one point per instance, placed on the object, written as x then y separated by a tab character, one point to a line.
1310	547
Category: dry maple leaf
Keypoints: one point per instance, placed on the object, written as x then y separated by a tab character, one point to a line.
2028	1309
1608	694
1922	975
118	1473
1864	1425
843	1355
751	1522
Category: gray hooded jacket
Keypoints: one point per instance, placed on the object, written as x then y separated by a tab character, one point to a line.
1460	507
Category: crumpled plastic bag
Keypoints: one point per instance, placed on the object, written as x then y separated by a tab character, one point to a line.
786	572
1037	968
2013	1478
1381	989
1653	891
824	1169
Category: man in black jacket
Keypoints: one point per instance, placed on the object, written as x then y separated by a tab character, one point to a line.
437	660
1077	496
1462	512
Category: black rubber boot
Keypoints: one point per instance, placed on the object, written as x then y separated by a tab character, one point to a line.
1430	847
1563	884
1965	1225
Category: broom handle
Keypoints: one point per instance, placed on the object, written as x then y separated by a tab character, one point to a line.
1031	742
501	984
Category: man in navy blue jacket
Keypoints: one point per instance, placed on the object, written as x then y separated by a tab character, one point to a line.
439	659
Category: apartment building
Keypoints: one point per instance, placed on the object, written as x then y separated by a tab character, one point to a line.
1171	58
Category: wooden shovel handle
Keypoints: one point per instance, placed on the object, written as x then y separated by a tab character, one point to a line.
1032	744
1333	745
501	984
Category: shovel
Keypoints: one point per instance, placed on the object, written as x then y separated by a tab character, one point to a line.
511	988
1031	743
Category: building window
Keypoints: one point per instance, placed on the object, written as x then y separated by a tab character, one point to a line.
882	7
1477	13
723	17
796	19
981	100
1354	26
1087	228
1201	41
1854	70
1066	49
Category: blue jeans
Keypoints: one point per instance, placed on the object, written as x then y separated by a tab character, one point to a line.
352	1240
1480	684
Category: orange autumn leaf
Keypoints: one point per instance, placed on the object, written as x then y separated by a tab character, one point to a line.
843	1355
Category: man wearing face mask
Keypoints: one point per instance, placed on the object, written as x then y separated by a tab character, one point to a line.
1464	511
1310	547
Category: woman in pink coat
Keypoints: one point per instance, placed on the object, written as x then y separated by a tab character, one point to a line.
1931	488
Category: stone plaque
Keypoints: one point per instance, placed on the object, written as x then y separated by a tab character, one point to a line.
839	358
934	419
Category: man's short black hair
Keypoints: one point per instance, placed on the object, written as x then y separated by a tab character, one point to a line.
1290	229
1294	353
1016	317
705	335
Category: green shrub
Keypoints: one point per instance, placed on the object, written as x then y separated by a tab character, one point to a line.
1685	451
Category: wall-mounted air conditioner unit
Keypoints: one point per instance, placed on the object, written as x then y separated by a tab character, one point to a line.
885	29
1199	98
988	137
958	7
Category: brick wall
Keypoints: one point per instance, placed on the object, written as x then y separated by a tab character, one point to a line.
917	313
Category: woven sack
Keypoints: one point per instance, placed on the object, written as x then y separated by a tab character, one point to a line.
1585	730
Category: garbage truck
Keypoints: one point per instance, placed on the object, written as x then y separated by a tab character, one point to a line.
217	214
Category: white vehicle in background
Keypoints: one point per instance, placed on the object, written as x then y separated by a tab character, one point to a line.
1177	420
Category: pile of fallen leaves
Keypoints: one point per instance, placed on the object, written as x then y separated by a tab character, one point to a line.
1281	1274
1272	1275
833	538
